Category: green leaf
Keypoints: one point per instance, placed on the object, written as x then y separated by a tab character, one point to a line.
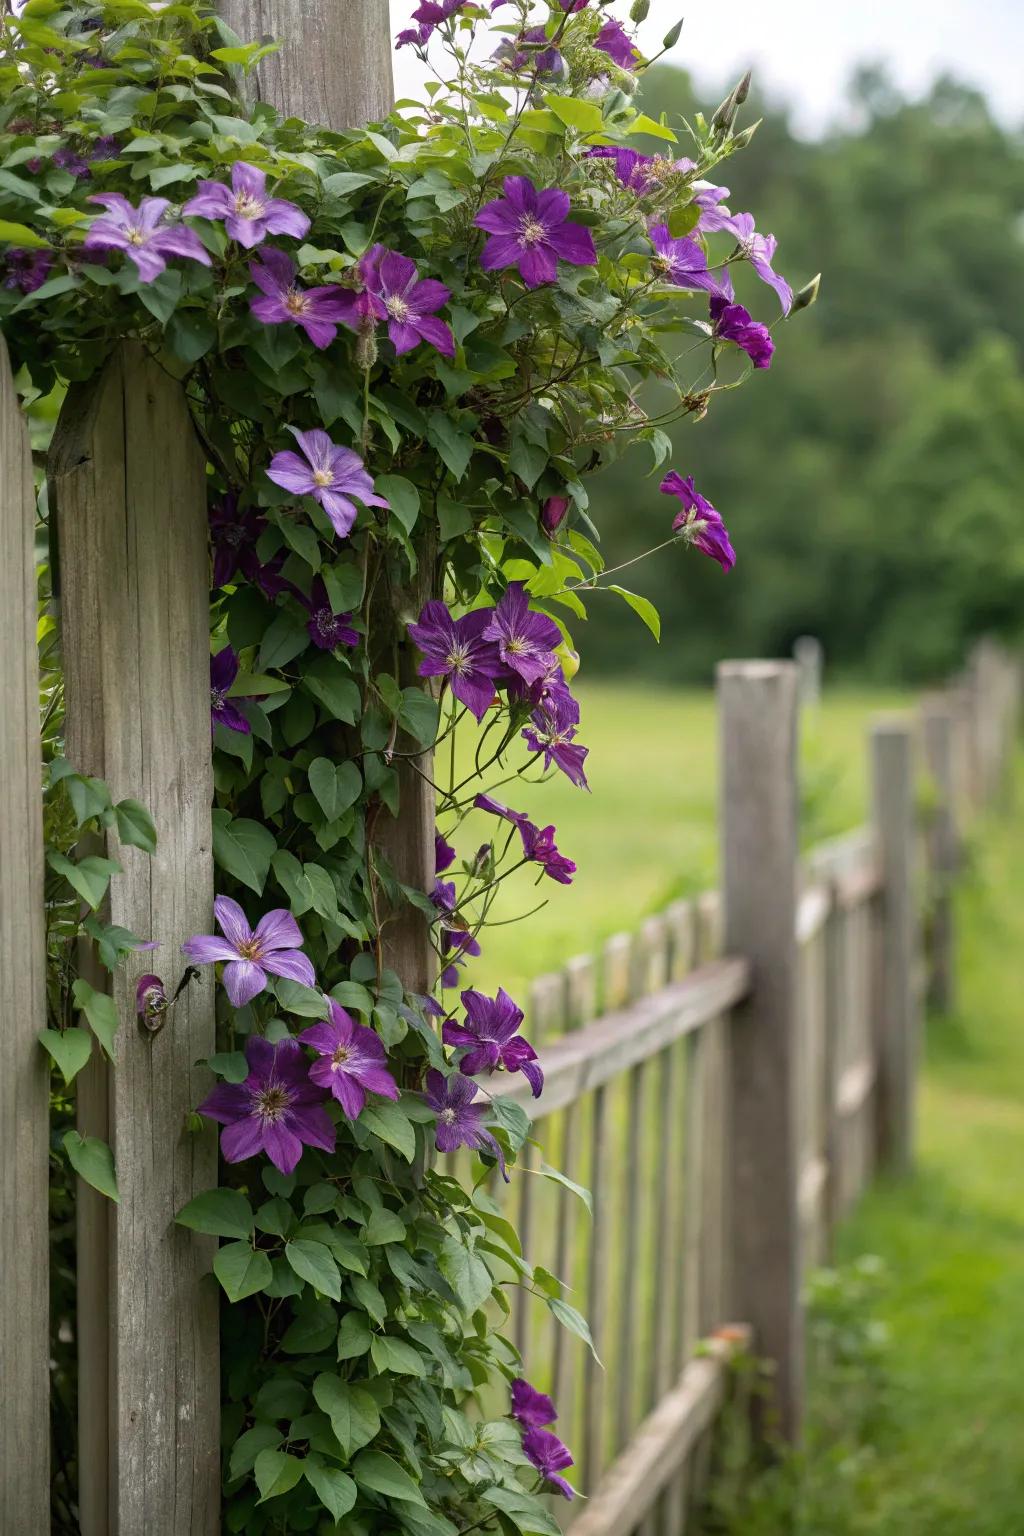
20	234
383	1227
244	848
353	1336
276	1472
645	124
89	797
453	518
344	585
381	1474
334	1488
285	639
335	787
314	1262
353	1413
295	997
567	1183
93	1161
403	496
584	116
101	1012
420	714
466	1273
190	334
525	1510
454	447
643	607
260	1437
574	1321
220	1212
230	1065
682	220
289	874
135	825
392	1125
528	461
513	1118
241	1270
396	1355
328	680
89	877
70	1050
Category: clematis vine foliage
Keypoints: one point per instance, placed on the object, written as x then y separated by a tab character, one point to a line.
405	348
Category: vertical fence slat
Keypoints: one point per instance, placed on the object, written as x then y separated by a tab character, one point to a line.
897	1041
24	1096
581	1000
128	483
937	737
758	774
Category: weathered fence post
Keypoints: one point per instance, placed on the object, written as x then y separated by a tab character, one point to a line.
758	813
127	481
809	655
24	1084
897	1021
942	844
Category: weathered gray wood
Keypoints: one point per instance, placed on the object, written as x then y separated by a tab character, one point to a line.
581	1001
334	63
942	844
809	655
545	1010
897	1023
128	485
758	777
24	1095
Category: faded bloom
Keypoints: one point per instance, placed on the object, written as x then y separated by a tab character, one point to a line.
531	230
319	311
491	1038
698	521
327	629
459	1120
351	1060
223	671
533	1409
275	946
459	650
405	300
248	214
151	1001
683	261
526	639
733	323
550	1457
277	1110
142	234
330	474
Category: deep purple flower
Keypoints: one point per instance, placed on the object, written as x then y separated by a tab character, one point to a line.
733	323
458	1118
283	300
698	521
529	50
223	671
275	946
106	147
533	1409
615	41
759	250
526	639
631	167
683	261
443	895
151	1001
405	300
330	474
277	1110
141	233
415	37
458	650
351	1060
327	629
444	854
249	215
550	1457
573	5
457	945
553	732
26	270
433	12
553	513
538	842
68	159
233	534
491	1037
531	230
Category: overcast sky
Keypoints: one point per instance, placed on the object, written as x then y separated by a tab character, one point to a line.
805	49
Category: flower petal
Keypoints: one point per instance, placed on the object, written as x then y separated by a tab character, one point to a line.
278	930
243	980
232	921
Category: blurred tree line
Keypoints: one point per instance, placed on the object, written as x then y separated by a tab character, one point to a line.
873	478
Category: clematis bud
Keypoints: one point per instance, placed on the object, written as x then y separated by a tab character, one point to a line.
807	295
553	514
638	10
151	1003
743	139
483	862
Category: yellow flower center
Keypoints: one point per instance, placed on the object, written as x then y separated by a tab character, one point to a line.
247	206
272	1103
295	303
340	1057
531	231
249	949
396	307
322	477
135	235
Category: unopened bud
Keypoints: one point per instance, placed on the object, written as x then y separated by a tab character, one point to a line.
743	139
638	10
742	90
366	345
553	514
483	862
807	295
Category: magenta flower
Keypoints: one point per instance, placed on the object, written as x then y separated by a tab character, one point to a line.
550	1457
491	1038
538	843
283	300
151	1001
531	230
733	323
223	671
26	271
615	41
277	1110
327	629
406	301
351	1060
683	261
330	474
533	1409
275	946
633	169
553	733
142	234
458	1118
553	513
526	639
457	649
444	854
248	214
698	521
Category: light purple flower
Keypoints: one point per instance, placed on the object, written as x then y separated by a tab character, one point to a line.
277	1110
533	1409
457	649
733	323
405	300
615	41
327	629
698	521
330	474
249	215
759	250
223	671
683	261
319	311
26	271
142	234
151	1001
553	733
491	1038
538	842
712	216
458	1118
531	230
550	1457
351	1060
275	946
526	639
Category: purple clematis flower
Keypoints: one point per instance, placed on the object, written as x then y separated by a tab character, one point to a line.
327	629
151	1001
223	671
106	147
457	649
26	271
553	732
68	159
141	233
538	843
275	946
759	250
492	1039
458	946
443	895
444	854
432	13
529	51
415	37
733	323
405	300
233	535
249	215
553	513
283	300
634	170
712	216
615	41
698	521
330	474
533	1409
351	1060
550	1457
683	261
277	1110
531	230
458	1118
526	639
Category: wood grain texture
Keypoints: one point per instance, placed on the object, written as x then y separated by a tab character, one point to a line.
128	483
937	735
334	62
758	813
24	1084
